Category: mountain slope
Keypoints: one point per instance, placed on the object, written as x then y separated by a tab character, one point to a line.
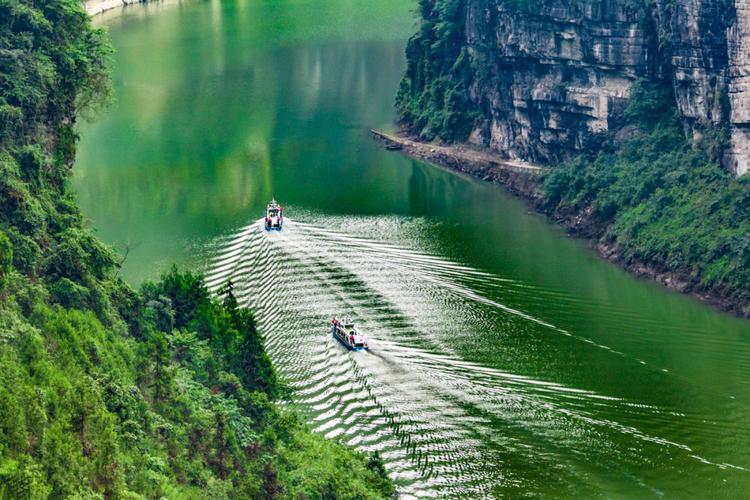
106	391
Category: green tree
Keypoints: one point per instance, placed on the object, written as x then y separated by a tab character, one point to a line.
254	365
230	301
186	291
160	374
6	259
23	479
222	445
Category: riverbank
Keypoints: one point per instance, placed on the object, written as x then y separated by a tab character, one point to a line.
527	181
521	178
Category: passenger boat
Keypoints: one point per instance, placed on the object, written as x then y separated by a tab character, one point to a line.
345	332
274	216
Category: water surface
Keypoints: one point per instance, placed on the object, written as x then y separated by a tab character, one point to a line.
506	358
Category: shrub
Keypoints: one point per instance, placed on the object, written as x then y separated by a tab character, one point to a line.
665	201
6	259
69	294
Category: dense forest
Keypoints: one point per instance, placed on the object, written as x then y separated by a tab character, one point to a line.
105	391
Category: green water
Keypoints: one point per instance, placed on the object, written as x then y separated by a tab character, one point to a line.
507	359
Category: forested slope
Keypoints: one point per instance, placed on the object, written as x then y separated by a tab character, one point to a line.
108	392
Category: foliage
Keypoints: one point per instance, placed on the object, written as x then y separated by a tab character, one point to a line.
6	259
649	103
665	201
96	412
228	328
433	99
108	392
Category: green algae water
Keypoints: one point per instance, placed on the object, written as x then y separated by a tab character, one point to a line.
506	359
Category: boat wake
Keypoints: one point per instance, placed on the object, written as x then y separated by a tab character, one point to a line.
444	426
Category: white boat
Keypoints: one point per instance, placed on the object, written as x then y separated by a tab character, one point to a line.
345	332
274	216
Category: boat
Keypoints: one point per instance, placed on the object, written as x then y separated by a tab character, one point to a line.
345	332
274	216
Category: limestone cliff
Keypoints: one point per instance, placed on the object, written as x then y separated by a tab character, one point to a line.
545	80
738	44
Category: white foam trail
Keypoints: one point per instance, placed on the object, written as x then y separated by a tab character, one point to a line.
429	412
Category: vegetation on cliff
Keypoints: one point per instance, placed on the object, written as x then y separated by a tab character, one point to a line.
106	391
664	200
433	99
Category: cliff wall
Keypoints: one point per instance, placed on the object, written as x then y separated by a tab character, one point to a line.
549	79
738	44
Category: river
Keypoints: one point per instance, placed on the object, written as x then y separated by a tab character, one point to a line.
506	360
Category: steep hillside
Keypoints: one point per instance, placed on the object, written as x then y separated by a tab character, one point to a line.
106	392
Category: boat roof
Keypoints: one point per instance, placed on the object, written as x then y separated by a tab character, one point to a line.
348	322
347	326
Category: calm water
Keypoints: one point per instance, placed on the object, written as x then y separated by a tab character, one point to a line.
506	359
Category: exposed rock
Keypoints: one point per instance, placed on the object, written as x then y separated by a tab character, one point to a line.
739	87
553	77
558	76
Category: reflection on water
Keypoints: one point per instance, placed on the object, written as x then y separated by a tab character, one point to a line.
506	359
220	107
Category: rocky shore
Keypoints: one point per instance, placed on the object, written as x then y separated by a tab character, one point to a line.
526	180
520	177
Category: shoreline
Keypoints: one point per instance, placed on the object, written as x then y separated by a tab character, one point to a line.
524	180
520	178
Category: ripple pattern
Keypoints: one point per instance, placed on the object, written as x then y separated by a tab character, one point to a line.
445	426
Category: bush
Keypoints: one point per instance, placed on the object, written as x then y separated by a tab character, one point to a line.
69	294
649	102
6	259
664	201
26	252
186	292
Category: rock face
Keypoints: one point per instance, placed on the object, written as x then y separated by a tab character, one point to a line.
710	68
559	75
553	77
738	44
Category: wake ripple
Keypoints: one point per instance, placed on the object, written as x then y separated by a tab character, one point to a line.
443	425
